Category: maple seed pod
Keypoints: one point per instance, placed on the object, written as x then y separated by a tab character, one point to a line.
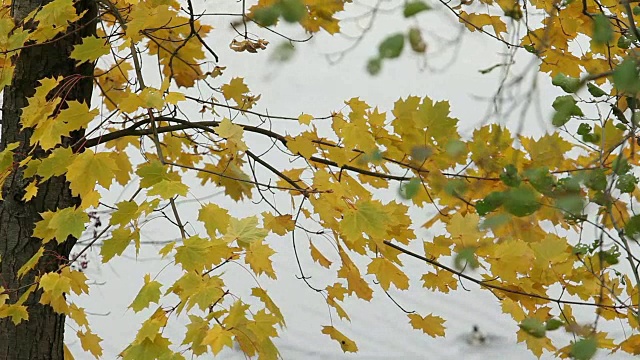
415	39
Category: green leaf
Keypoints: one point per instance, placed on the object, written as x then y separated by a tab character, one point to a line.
565	107
591	138
119	241
619	114
531	49
90	50
456	187
283	52
595	91
126	212
416	41
149	293
495	221
466	257
584	129
626	77
246	231
620	165
410	189
421	153
266	16
374	66
510	176
292	10
584	349
568	84
541	179
602	32
596	180
533	327
571	204
521	201
391	47
569	185
193	253
68	222
413	7
491	202
553	324
611	256
579	249
624	42
626	183
632	228
515	12
455	147
601	199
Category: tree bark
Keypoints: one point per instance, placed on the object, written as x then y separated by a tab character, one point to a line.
41	337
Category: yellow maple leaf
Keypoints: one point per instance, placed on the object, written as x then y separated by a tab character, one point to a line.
305	119
67	353
258	257
61	224
31	190
15	311
215	219
346	344
52	19
90	342
235	90
441	280
268	303
280	224
31	263
87	169
78	315
318	257
355	282
233	133
77	280
551	250
474	22
217	338
631	344
39	107
55	284
431	325
386	273
236	183
301	145
339	310
536	345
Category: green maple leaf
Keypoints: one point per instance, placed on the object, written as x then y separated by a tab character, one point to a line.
369	217
90	49
149	293
193	252
89	168
119	241
245	231
61	224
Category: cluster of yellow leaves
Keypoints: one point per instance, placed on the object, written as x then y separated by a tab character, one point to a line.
318	14
509	244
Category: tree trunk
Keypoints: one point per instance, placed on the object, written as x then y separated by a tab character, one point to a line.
41	337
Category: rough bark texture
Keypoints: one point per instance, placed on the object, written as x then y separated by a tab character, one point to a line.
41	337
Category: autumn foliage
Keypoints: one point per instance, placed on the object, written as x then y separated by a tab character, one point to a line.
514	210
